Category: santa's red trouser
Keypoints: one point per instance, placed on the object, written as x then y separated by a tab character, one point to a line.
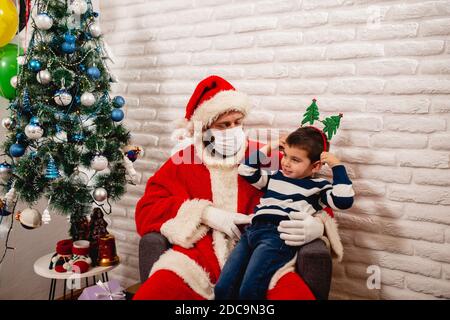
166	285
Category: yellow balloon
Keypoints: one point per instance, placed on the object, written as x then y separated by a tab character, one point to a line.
9	21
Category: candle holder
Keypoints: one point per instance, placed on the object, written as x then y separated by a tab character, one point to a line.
107	255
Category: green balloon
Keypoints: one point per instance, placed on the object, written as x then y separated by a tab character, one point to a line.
8	69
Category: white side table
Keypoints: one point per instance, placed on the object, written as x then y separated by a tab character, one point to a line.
41	267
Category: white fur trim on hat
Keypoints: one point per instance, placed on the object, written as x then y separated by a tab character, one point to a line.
219	104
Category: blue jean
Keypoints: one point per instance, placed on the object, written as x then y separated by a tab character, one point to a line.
257	256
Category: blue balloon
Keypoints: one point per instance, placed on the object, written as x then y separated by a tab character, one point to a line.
93	73
117	115
68	47
17	150
34	65
118	102
70	38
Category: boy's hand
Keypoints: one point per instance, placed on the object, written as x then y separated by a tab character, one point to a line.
330	159
275	145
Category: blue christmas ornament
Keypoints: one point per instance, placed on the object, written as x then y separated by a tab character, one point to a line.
82	67
17	150
93	73
77	100
69	38
34	120
133	153
52	171
117	115
5	167
95	14
5	173
78	137
20	136
118	102
34	65
68	47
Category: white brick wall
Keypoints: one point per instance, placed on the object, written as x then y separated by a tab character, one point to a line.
385	64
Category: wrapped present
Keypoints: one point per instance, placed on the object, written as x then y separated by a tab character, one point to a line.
110	290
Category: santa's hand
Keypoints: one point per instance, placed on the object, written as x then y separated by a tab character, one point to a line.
302	228
224	221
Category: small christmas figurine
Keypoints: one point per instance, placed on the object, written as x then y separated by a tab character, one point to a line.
97	230
79	228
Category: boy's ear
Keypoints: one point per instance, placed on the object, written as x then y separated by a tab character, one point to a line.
317	166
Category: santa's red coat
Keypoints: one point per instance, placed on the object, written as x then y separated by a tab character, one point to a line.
174	200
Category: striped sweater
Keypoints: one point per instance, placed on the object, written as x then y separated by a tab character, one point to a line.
283	195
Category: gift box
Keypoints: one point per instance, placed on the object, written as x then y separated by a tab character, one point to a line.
110	290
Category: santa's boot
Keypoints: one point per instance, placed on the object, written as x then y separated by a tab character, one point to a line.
81	262
60	260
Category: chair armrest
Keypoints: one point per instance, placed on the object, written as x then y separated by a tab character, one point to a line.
315	266
151	247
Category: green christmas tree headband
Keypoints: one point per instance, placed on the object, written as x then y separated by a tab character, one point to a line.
331	123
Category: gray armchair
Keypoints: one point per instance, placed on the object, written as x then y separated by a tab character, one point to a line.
313	263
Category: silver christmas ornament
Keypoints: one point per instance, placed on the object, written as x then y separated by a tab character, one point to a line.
14	82
100	194
44	77
78	7
88	122
95	30
34	131
63	98
43	21
60	136
79	177
99	163
30	218
7	123
87	99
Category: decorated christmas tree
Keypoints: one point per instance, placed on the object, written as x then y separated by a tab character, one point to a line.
65	139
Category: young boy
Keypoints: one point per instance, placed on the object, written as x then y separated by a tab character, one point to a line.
261	252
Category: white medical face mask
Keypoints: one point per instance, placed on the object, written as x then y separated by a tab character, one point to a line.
226	142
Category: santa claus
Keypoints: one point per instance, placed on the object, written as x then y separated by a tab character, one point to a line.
198	201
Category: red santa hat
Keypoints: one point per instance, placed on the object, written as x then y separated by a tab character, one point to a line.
212	97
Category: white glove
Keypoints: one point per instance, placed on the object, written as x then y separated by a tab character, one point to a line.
225	221
301	229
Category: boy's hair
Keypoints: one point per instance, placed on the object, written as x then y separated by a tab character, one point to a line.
310	140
